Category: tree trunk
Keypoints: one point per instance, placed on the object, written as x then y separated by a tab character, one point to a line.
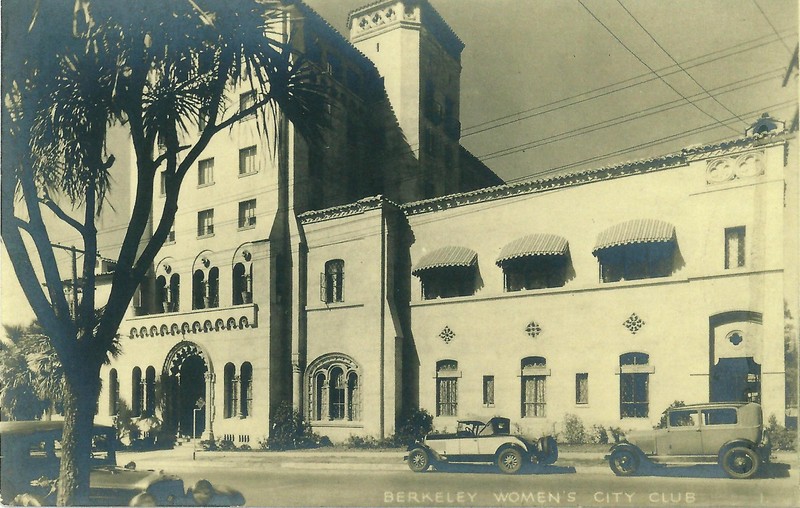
81	393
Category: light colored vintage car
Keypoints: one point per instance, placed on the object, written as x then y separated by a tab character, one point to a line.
731	434
30	459
478	441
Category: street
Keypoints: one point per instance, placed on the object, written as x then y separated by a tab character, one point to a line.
335	484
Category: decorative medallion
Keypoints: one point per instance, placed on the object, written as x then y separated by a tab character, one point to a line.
633	323
533	329
735	337
447	335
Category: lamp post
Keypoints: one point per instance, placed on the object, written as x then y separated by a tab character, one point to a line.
198	407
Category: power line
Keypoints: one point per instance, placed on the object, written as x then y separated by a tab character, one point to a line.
676	62
651	69
764	15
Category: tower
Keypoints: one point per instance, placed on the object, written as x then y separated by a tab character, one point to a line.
419	57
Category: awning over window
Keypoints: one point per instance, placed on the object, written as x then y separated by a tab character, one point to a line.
534	245
635	231
446	256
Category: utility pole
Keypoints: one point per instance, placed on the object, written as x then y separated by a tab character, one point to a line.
74	255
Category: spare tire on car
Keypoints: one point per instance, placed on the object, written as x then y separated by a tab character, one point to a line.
548	450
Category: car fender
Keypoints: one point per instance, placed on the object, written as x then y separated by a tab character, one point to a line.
525	454
434	455
746	443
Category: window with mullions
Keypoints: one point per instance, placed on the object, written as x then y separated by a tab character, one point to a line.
636	261
205	172
334	389
332	282
448	282
488	391
634	385
247	100
247	161
205	223
447	388
247	214
734	247
534	386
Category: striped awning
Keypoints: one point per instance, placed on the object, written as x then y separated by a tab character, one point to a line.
635	231
534	245
446	256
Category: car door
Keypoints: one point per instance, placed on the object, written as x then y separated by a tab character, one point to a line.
720	425
683	436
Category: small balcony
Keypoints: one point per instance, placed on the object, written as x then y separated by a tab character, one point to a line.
192	322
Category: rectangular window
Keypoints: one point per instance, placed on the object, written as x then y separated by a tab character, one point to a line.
247	100
634	395
171	234
533	396
205	172
205	222
734	247
488	390
247	214
581	388
446	396
163	183
721	416
247	160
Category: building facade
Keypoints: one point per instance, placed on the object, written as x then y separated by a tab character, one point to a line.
384	268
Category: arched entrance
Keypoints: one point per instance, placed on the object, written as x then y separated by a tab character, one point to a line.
187	379
735	357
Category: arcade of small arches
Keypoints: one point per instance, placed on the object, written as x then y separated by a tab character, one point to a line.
195	327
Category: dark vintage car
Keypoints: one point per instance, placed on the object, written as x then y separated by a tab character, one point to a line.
478	441
30	454
731	434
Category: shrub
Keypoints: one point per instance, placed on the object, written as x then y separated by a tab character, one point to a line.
362	442
412	425
662	424
574	431
599	434
226	445
781	437
617	433
208	445
291	432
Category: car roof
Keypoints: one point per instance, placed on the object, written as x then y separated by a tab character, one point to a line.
35	426
705	405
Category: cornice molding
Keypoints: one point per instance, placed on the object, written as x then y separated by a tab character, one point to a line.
355	208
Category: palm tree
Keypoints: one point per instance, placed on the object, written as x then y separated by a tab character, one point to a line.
76	68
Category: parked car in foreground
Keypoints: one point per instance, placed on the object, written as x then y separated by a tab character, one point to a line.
30	456
478	441
731	434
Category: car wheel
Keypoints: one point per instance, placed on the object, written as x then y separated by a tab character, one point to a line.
418	460
548	450
740	462
509	460
624	462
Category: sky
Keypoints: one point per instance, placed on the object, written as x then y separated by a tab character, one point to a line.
558	86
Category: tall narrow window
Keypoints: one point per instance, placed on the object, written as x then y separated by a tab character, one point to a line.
447	388
247	214
205	172
534	386
336	391
212	288
228	405
136	391
247	100
174	292
113	392
332	282
162	187
199	298
162	294
205	222
150	391
171	234
246	381
581	388
634	385
242	280
247	160
488	391
734	247
353	409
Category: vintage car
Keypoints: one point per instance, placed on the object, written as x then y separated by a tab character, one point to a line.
478	441
731	434
30	459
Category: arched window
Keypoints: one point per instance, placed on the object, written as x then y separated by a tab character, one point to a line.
447	375
246	380
634	385
113	392
136	391
212	288
173	296
229	385
242	284
333	383
199	290
150	391
332	282
162	294
534	374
